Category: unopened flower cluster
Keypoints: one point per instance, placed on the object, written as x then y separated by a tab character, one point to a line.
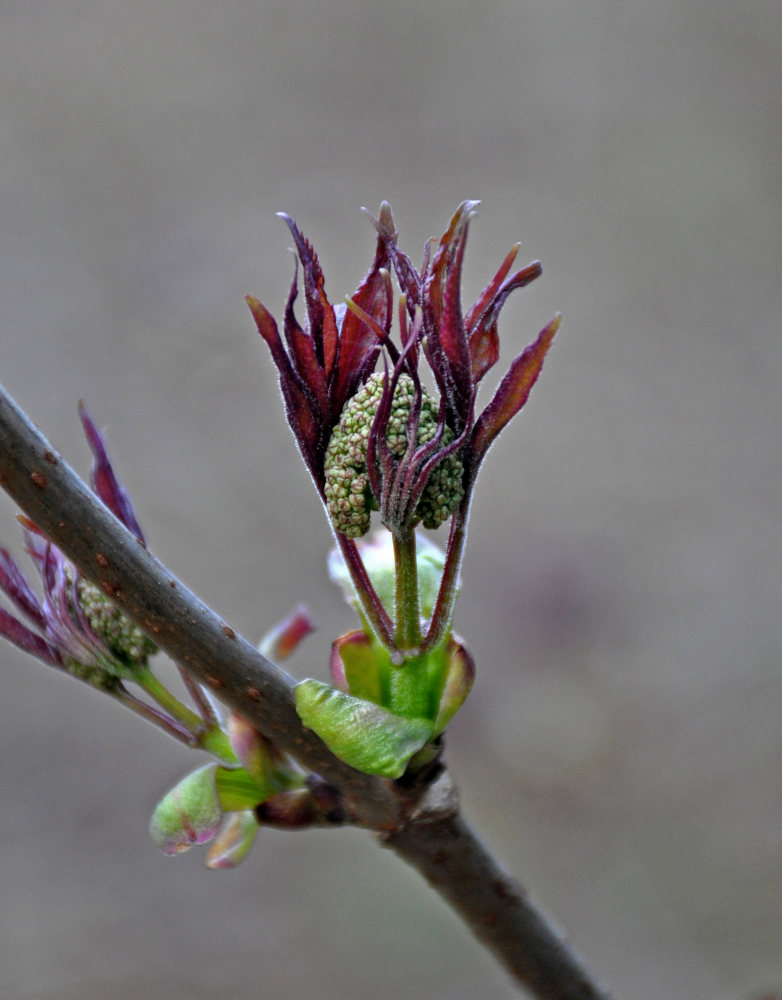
73	625
349	497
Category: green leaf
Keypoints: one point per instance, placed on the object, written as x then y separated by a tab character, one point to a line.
366	666
512	392
359	732
237	790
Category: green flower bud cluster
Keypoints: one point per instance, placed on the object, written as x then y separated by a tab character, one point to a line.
349	497
95	674
125	640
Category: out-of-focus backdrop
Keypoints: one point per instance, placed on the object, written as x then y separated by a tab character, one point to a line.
622	749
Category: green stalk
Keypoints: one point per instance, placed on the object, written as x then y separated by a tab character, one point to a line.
440	623
208	737
407	634
216	742
409	695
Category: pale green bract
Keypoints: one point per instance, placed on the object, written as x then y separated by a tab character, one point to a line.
360	733
377	554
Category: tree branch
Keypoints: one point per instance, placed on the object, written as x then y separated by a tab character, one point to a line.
446	851
420	822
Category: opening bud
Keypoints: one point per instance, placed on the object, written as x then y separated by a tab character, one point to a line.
189	814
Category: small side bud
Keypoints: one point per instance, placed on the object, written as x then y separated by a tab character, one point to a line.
326	798
189	814
248	744
233	841
259	757
281	640
293	810
459	677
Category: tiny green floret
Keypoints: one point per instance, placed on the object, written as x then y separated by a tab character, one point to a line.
124	639
349	497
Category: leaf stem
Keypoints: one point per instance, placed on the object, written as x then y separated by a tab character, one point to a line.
174	729
201	699
442	615
371	605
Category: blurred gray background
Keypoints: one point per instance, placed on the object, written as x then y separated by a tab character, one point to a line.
622	747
